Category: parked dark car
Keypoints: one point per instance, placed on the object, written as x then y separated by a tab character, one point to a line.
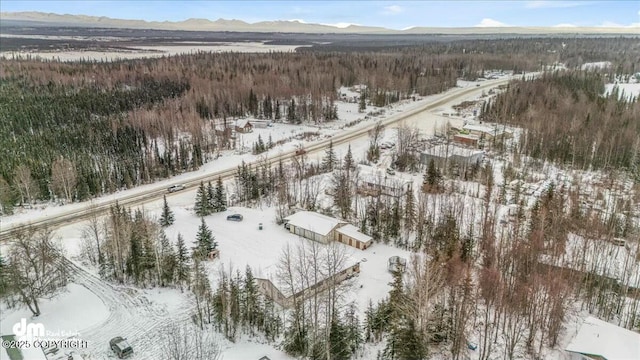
120	347
234	217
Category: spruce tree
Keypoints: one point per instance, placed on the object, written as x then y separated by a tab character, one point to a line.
432	177
201	207
134	263
251	304
205	242
167	261
353	330
362	105
409	210
339	341
291	111
149	262
211	206
277	114
410	344
260	145
329	160
349	164
182	262
397	300
220	201
167	218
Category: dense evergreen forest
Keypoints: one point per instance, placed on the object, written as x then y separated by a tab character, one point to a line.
72	131
568	121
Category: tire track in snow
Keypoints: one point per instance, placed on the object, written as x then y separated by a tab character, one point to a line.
131	315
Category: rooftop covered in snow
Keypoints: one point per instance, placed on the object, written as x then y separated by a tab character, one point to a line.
353	232
309	220
451	150
484	129
608	341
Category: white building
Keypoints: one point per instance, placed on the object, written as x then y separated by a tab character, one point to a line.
269	286
313	226
321	228
485	132
444	154
350	235
373	182
600	340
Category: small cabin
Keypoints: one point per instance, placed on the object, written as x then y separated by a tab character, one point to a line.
244	126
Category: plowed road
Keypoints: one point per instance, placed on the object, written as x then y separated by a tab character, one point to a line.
155	193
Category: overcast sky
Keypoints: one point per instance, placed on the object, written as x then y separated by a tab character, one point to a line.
389	14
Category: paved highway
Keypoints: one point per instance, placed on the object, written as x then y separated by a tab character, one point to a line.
155	193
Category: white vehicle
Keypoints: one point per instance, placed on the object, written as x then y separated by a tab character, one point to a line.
176	187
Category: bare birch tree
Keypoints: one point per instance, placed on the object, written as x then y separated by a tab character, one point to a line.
63	178
188	342
26	185
36	267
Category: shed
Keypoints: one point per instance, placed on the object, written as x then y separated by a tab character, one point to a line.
486	132
467	140
349	235
261	124
285	298
597	340
243	126
372	182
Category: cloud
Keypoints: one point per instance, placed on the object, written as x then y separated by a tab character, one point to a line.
393	9
553	4
565	26
610	24
486	22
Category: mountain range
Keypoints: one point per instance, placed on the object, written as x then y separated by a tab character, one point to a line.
285	26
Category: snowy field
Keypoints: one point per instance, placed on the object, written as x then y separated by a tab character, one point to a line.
150	51
74	310
627	90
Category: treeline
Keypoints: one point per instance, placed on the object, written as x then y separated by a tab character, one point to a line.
480	277
518	53
567	121
130	248
63	142
107	126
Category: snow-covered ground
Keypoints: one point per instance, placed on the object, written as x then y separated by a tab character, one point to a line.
596	65
627	90
72	311
140	314
149	51
347	113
